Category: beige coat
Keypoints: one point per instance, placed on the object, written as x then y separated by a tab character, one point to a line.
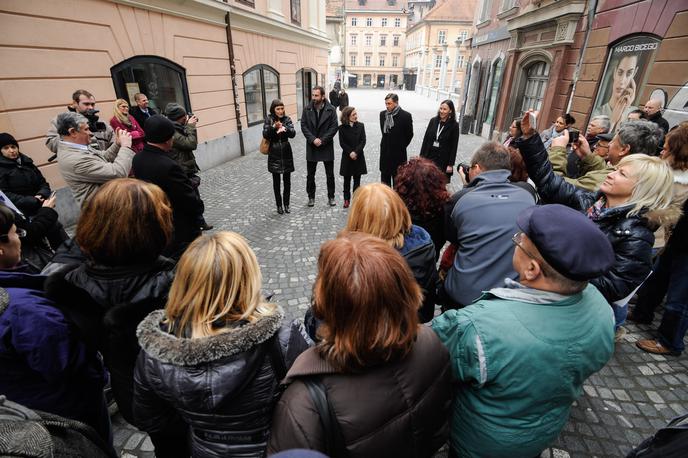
100	140
86	171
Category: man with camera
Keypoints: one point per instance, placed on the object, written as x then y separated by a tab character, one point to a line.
84	103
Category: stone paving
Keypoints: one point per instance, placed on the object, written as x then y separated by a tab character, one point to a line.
630	398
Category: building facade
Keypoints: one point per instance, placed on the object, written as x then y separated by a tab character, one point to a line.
375	40
336	33
224	60
436	50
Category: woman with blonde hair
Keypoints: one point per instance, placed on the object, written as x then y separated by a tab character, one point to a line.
123	120
378	210
381	382
217	335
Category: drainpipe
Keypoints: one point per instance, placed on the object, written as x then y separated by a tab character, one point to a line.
592	7
232	72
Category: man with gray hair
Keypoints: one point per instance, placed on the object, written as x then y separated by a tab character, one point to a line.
84	167
598	125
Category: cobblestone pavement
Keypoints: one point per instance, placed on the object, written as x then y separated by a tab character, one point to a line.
635	394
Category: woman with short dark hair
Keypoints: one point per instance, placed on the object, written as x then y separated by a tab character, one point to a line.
441	139
384	379
352	139
278	129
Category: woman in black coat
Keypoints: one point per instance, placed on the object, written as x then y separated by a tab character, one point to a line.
278	129
352	139
441	138
20	179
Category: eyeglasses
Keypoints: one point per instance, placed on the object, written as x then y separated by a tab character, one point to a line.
20	233
516	239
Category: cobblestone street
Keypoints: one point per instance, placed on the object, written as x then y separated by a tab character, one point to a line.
635	394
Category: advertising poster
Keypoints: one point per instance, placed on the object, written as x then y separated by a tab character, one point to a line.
628	64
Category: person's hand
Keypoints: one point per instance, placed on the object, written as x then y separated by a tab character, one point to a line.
192	120
50	202
123	138
561	140
353	155
281	129
526	128
581	147
277	125
462	175
317	142
39	198
623	103
450	170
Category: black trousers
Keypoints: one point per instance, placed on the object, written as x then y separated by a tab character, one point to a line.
387	179
279	200
347	185
310	178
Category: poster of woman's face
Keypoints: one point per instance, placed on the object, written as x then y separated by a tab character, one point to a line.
624	75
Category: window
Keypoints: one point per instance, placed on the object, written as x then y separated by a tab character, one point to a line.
507	5
460	63
442	36
383	40
396	40
395	61
161	80
438	61
296	11
352	60
463	35
485	11
368	40
261	86
369	22
537	75
354	39
397	22
384	22
354	21
306	79
496	76
367	60
382	60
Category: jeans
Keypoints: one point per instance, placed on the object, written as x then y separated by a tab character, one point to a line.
310	178
347	185
668	278
276	188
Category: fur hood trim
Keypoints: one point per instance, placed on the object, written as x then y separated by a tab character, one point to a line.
681	177
168	348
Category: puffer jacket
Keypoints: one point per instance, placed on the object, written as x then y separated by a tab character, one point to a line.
419	253
398	409
631	237
280	157
223	387
106	304
184	142
21	181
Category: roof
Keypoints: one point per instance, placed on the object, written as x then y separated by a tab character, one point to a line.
452	10
376	5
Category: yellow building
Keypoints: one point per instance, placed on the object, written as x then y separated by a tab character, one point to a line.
375	32
436	53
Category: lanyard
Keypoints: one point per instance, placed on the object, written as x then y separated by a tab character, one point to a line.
440	128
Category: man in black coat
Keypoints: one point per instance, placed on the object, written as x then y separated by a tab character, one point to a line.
319	126
141	112
155	165
397	131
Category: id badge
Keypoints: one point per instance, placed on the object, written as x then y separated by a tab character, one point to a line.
436	144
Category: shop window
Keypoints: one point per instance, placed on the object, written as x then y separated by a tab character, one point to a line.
537	75
261	86
161	80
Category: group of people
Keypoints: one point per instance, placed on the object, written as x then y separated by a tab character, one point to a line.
534	281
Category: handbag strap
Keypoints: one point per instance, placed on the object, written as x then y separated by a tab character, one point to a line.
335	446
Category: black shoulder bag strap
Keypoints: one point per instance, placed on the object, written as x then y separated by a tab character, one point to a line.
335	446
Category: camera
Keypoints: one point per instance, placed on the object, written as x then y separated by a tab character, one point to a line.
465	167
191	114
92	115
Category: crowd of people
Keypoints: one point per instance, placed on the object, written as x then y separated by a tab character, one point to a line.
434	317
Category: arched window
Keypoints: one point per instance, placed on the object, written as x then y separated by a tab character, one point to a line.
537	75
160	79
261	87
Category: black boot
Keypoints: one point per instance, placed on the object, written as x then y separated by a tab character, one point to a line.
280	210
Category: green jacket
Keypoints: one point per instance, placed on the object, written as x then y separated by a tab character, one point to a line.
593	169
521	357
184	142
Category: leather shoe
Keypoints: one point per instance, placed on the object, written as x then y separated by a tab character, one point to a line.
311	201
653	346
331	202
206	227
286	209
346	203
280	210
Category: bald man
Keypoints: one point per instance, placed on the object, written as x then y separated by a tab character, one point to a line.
653	111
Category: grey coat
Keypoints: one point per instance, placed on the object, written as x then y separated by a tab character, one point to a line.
325	130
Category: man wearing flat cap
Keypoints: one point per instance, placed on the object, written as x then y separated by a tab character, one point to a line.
154	164
522	352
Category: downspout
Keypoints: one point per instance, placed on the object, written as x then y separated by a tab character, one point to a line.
235	91
592	8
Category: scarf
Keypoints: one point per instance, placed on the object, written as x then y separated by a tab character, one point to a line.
597	210
389	119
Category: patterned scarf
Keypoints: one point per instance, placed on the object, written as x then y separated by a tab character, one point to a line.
389	119
597	210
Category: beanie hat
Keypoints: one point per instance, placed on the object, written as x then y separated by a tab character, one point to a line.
7	139
174	111
158	129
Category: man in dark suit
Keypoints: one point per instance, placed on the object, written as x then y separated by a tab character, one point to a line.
397	131
155	165
319	126
141	112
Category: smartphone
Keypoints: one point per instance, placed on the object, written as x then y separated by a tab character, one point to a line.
52	194
573	136
533	120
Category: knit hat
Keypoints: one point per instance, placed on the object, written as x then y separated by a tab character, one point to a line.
7	139
174	111
158	129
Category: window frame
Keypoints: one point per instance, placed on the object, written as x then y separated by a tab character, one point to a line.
383	40
354	22
369	22
367	59
438	61
395	40
368	40
383	22
266	107
353	39
381	60
535	79
441	37
395	60
397	22
352	60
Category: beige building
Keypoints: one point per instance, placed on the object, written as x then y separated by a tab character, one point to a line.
174	51
337	35
436	51
375	32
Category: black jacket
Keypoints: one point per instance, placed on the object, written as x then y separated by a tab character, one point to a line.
334	98
631	237
21	181
663	124
352	139
280	157
445	154
393	144
343	100
156	166
223	387
106	304
419	253
140	116
325	130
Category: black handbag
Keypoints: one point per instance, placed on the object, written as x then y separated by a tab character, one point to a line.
335	447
